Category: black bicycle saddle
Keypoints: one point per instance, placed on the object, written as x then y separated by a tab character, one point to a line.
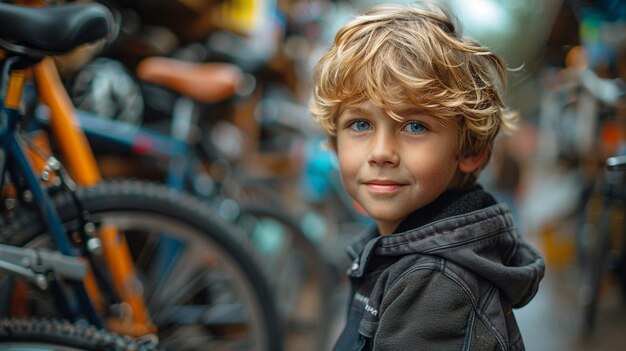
53	30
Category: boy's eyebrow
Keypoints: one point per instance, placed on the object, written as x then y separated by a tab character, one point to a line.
411	111
402	112
353	108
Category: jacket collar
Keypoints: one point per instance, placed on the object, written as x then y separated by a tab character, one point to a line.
443	234
484	242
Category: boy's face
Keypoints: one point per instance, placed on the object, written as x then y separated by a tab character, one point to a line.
393	168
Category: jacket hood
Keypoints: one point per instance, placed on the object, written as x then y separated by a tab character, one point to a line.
484	242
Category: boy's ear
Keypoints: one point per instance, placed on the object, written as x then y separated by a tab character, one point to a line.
470	164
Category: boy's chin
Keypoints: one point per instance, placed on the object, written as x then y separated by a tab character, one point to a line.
386	219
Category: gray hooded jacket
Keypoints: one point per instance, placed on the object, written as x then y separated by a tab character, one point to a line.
447	285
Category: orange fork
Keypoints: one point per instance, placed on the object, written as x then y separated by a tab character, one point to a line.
83	167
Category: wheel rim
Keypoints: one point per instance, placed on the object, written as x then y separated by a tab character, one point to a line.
204	301
199	298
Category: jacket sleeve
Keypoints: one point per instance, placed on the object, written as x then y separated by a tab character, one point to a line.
427	310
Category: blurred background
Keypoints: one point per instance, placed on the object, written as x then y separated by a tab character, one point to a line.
568	61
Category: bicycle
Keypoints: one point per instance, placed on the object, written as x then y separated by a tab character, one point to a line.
603	250
133	256
294	266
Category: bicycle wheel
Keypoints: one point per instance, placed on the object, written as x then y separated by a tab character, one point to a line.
28	334
202	289
296	271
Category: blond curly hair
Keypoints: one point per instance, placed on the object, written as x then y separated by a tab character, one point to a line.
395	55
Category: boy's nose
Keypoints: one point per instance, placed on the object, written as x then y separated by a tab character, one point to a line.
383	150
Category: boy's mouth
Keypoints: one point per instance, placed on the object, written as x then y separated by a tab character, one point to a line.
383	186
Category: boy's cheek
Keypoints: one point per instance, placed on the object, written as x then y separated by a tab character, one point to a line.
350	184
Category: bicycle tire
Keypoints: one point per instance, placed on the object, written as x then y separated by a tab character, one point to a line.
295	269
140	206
19	334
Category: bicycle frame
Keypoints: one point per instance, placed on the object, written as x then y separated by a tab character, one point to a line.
82	166
72	142
138	141
17	163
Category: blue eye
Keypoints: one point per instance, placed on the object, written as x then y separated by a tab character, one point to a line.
360	126
414	128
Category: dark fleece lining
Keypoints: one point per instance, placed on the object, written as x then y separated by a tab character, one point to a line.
452	202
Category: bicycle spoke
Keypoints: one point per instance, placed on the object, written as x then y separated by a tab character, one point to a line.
208	315
182	276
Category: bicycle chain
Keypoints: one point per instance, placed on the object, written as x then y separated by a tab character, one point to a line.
27	329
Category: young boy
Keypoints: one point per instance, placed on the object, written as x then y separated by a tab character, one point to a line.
411	109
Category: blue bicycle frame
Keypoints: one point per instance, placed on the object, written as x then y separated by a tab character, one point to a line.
137	141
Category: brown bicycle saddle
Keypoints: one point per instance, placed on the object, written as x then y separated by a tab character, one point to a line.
203	82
